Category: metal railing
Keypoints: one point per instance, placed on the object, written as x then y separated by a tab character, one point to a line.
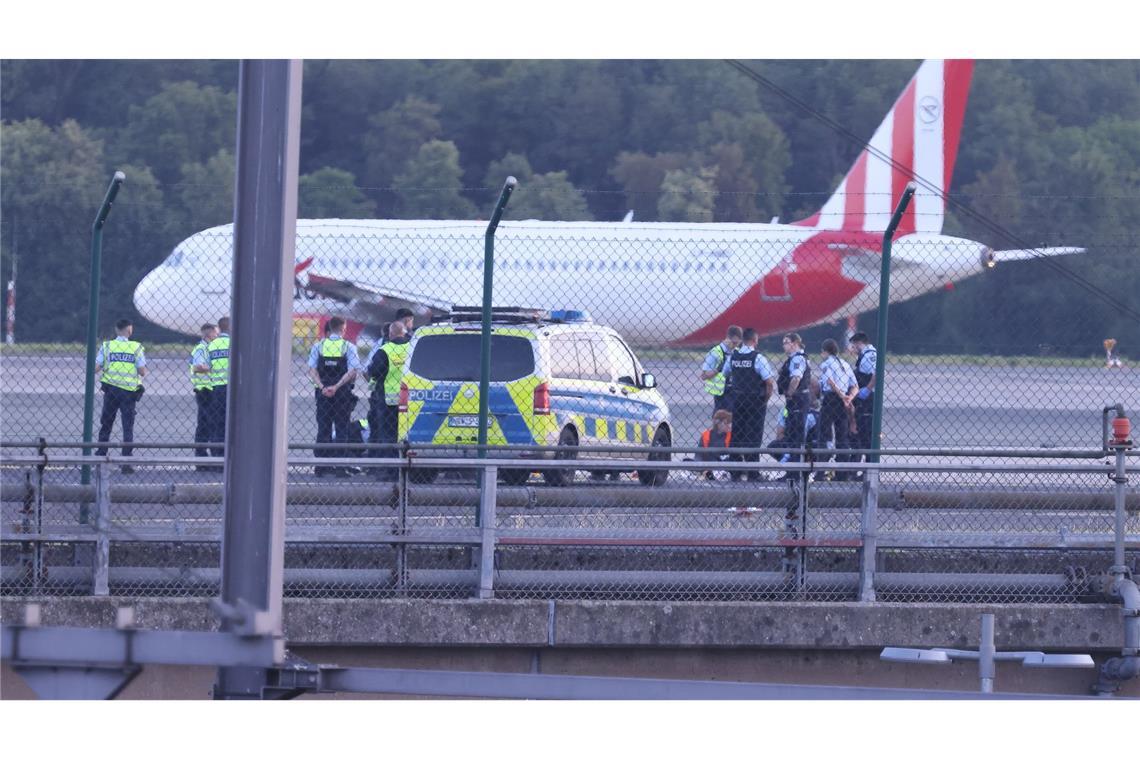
958	526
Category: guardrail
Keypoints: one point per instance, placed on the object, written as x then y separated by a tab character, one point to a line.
960	528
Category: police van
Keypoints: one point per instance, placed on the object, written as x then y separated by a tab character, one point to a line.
557	380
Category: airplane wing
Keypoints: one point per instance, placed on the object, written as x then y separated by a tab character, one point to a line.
1020	254
374	307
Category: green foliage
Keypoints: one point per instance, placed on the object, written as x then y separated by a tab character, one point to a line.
332	194
206	190
54	181
183	124
430	184
1050	150
394	135
687	196
641	177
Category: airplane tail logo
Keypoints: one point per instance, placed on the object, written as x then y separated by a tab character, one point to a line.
920	136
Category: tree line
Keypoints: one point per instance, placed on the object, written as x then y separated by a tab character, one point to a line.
1050	150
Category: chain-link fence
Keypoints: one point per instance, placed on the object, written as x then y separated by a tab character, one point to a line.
670	293
967	529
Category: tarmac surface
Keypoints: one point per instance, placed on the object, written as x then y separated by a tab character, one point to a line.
935	406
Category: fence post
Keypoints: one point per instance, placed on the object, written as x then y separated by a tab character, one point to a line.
986	651
869	532
487	496
102	569
881	339
488	300
402	521
31	522
93	314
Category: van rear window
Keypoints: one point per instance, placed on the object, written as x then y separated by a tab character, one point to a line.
456	357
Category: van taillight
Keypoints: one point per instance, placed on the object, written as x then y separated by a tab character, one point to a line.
542	399
403	407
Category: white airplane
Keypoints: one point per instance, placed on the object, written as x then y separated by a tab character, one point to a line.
655	283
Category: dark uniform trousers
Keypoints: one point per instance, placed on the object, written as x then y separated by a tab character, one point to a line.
384	427
723	401
863	411
202	430
794	425
748	428
333	414
122	402
833	415
218	418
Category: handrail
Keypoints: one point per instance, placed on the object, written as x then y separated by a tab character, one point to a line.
471	463
471	449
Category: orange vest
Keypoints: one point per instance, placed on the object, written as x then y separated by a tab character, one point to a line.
705	436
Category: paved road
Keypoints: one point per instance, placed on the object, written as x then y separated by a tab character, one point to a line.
927	406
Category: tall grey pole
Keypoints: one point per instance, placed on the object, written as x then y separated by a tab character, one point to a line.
265	229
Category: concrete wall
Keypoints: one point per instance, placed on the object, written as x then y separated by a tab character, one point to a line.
808	643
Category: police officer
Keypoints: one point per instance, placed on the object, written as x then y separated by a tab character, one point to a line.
384	372
120	366
865	379
794	383
201	383
712	370
218	350
837	389
751	376
333	365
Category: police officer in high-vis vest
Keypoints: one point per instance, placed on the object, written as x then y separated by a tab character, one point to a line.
794	384
865	398
333	365
751	377
120	365
201	383
218	350
384	372
712	370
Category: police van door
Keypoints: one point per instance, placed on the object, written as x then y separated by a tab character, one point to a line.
631	416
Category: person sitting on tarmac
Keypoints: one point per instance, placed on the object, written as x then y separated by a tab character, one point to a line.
719	436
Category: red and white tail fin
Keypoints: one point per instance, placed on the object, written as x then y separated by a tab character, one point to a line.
920	135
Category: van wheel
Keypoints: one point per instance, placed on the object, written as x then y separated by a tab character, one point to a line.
422	477
568	449
657	477
515	477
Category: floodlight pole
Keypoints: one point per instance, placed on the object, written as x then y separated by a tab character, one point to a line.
884	305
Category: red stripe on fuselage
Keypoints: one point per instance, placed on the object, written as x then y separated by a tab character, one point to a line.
956	87
856	200
902	154
815	283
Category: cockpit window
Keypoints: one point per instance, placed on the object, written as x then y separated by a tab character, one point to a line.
174	259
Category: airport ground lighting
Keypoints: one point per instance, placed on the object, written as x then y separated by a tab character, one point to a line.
986	656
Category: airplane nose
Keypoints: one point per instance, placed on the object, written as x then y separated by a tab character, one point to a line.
146	298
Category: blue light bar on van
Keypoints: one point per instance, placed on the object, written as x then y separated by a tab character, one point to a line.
569	315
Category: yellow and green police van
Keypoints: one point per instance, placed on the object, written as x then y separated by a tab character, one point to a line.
557	380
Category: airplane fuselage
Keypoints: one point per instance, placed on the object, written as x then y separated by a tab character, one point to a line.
657	284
